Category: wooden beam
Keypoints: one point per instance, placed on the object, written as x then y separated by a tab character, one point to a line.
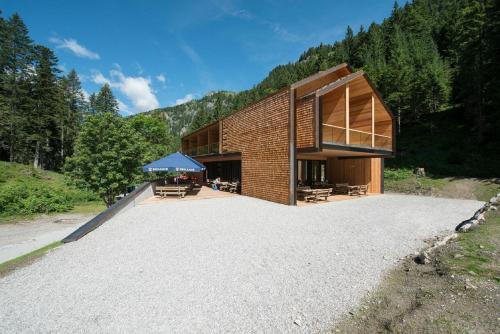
373	121
347	139
221	137
208	138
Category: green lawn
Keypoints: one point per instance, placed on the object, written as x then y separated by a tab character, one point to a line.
26	192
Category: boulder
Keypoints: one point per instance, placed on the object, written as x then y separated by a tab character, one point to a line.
420	171
465	225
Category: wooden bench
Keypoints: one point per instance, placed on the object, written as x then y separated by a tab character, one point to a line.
341	188
175	190
315	194
323	193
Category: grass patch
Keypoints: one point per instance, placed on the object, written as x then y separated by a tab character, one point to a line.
89	207
403	180
456	293
26	192
26	259
475	253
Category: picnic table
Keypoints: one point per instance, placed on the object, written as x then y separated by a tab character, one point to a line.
173	189
315	194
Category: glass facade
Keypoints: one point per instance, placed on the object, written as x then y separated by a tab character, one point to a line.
311	171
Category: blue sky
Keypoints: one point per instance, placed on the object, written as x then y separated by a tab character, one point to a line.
161	53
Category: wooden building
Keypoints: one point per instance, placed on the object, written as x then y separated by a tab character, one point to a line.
332	126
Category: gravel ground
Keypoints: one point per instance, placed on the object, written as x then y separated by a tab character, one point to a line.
222	265
23	237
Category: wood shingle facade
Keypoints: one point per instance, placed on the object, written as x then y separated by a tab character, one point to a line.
331	127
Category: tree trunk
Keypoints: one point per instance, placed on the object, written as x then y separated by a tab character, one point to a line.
62	146
36	161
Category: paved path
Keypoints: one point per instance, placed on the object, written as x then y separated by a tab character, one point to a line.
24	237
228	265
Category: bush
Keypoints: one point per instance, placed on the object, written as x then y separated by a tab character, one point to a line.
25	191
397	174
24	199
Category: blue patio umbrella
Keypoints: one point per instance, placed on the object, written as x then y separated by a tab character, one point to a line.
175	162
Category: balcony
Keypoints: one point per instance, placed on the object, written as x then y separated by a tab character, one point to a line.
337	135
202	142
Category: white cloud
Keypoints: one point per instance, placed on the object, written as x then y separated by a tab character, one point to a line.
161	78
123	107
185	99
73	46
137	89
191	53
99	78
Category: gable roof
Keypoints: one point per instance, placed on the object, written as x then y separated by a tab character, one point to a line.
320	74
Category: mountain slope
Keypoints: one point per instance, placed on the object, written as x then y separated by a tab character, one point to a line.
423	60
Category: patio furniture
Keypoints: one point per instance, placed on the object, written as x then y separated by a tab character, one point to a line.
341	188
224	186
234	187
167	190
363	189
323	193
353	190
309	194
179	163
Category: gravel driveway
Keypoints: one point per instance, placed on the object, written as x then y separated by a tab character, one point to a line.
229	265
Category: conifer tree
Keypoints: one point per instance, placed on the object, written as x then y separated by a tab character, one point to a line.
105	101
46	106
71	115
16	54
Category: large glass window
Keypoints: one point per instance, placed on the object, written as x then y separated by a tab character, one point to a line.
311	171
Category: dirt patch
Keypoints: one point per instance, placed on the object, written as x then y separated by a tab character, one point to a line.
457	292
448	187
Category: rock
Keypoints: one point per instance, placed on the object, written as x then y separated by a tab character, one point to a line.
464	226
494	199
492	208
420	171
470	286
297	322
481	246
422	258
458	256
472	273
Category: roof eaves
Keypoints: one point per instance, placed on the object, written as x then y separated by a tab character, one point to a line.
319	75
338	83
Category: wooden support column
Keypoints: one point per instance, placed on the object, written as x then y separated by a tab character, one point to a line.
373	121
220	135
198	141
347	139
208	139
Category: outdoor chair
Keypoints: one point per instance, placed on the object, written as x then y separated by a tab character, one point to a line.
234	187
224	186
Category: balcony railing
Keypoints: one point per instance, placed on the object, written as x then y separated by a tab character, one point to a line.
213	148
333	134
337	135
383	142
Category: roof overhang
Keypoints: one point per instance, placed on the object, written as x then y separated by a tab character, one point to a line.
320	75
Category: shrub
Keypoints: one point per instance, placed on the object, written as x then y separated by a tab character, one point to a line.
397	174
21	198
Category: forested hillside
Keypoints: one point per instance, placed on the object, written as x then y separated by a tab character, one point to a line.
436	65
